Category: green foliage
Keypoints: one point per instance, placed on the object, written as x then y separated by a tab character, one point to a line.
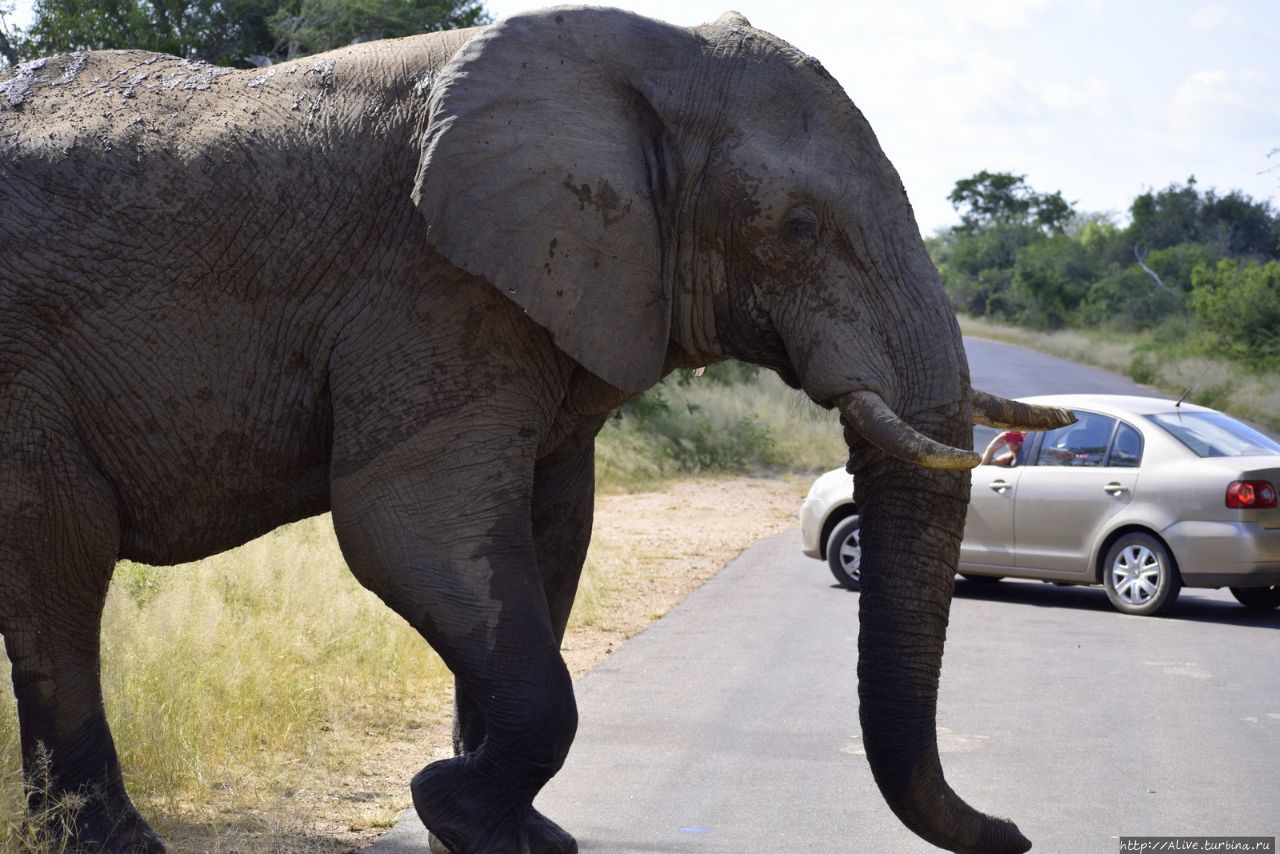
690	438
1050	279
736	419
697	444
1167	217
1142	370
311	26
977	267
1240	305
648	405
995	198
234	32
1002	262
1233	226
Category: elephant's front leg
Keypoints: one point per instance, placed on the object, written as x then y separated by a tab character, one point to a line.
562	509
446	539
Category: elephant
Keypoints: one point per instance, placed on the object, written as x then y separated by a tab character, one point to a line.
407	282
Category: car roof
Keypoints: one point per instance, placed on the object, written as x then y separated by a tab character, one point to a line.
1116	404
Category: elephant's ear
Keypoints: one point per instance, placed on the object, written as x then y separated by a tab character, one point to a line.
543	171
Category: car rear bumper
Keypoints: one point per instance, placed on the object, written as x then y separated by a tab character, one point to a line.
1222	554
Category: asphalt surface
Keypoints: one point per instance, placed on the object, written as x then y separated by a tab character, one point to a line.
730	725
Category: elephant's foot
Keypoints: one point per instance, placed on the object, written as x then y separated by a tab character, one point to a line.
466	817
545	837
96	827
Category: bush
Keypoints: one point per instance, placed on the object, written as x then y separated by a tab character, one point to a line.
1240	305
735	419
1050	278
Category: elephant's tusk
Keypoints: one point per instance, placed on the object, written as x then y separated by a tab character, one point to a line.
996	411
867	413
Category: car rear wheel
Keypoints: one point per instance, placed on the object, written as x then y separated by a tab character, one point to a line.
844	553
1140	576
1257	598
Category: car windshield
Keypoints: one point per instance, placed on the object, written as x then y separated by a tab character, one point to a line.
1212	434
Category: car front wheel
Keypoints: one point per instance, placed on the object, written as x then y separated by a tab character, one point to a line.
844	553
1140	576
1257	598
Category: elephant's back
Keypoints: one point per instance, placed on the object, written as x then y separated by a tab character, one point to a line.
84	117
100	101
128	127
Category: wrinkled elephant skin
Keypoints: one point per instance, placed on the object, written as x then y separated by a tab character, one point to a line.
407	281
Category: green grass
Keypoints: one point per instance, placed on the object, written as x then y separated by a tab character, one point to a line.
1160	361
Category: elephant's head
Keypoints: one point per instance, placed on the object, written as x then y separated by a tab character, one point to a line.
656	196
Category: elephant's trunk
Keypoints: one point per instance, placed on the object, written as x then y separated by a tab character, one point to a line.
912	523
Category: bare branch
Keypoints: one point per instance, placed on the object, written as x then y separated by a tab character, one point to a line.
1272	153
1141	256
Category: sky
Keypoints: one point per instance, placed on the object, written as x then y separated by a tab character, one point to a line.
1100	100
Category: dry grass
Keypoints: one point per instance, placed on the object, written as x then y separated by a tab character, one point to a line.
238	686
262	701
1217	382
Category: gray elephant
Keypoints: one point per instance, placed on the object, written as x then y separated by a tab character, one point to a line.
407	281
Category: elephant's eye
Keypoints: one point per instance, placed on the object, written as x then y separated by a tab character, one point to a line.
802	223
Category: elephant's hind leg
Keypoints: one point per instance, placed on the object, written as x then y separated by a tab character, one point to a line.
59	535
447	543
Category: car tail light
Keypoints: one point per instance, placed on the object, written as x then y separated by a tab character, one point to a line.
1251	494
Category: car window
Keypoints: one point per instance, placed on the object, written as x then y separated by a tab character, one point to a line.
1126	448
1212	434
1081	444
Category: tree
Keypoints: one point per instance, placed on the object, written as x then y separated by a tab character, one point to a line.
976	267
1051	277
1166	218
8	50
312	26
993	198
1241	304
1239	227
1233	225
236	32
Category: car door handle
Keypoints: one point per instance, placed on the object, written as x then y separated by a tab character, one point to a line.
999	486
1114	488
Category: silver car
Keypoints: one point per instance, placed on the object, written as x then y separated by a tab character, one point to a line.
1142	495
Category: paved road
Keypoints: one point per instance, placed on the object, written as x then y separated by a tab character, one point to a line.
731	724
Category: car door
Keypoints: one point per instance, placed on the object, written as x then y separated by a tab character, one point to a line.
1078	477
988	529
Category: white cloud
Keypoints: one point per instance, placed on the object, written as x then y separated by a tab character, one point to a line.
999	15
1210	102
1209	18
877	17
986	90
1092	97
